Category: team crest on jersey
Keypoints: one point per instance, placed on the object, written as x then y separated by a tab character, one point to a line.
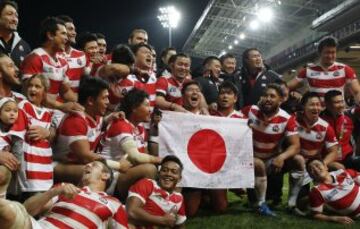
124	91
336	73
276	128
21	48
103	200
79	62
315	74
318	136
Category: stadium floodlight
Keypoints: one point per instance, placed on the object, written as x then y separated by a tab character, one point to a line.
230	47
254	25
242	36
265	14
169	18
236	42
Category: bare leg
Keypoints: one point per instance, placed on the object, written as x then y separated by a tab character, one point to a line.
13	215
5	177
192	197
260	180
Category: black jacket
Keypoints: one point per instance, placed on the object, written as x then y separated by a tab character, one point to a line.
18	50
251	94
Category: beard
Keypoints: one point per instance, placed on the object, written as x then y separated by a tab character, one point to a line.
268	110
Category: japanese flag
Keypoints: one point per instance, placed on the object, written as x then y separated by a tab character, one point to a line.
217	152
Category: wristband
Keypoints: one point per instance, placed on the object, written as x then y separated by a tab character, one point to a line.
154	139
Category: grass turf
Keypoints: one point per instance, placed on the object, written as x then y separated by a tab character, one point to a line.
239	216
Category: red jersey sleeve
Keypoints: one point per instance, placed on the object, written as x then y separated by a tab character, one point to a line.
141	189
246	110
125	85
74	127
31	65
120	219
302	75
291	127
349	73
316	200
330	138
162	86
181	216
355	175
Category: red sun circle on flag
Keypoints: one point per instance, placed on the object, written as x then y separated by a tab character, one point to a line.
206	149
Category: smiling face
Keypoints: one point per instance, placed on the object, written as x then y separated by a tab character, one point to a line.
71	32
60	38
270	101
317	170
192	96
337	105
9	18
312	109
181	68
169	176
229	65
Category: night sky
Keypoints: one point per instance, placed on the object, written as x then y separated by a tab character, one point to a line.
115	19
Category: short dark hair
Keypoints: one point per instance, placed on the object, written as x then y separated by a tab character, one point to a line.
108	170
122	54
133	99
132	34
135	48
311	160
178	55
229	85
209	59
327	41
245	55
85	38
90	87
307	96
49	25
227	56
275	87
330	95
189	83
100	36
5	3
173	159
65	18
165	51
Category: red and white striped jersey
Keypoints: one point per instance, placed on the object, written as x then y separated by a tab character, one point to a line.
78	66
88	209
342	196
75	127
36	172
157	201
233	114
170	88
313	139
267	134
116	133
39	61
132	81
321	81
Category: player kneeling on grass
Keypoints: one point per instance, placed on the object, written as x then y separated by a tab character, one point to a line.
271	126
155	203
67	206
337	190
125	141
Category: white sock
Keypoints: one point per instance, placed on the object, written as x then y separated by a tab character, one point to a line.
295	183
260	188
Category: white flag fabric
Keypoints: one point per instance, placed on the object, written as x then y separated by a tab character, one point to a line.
217	152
